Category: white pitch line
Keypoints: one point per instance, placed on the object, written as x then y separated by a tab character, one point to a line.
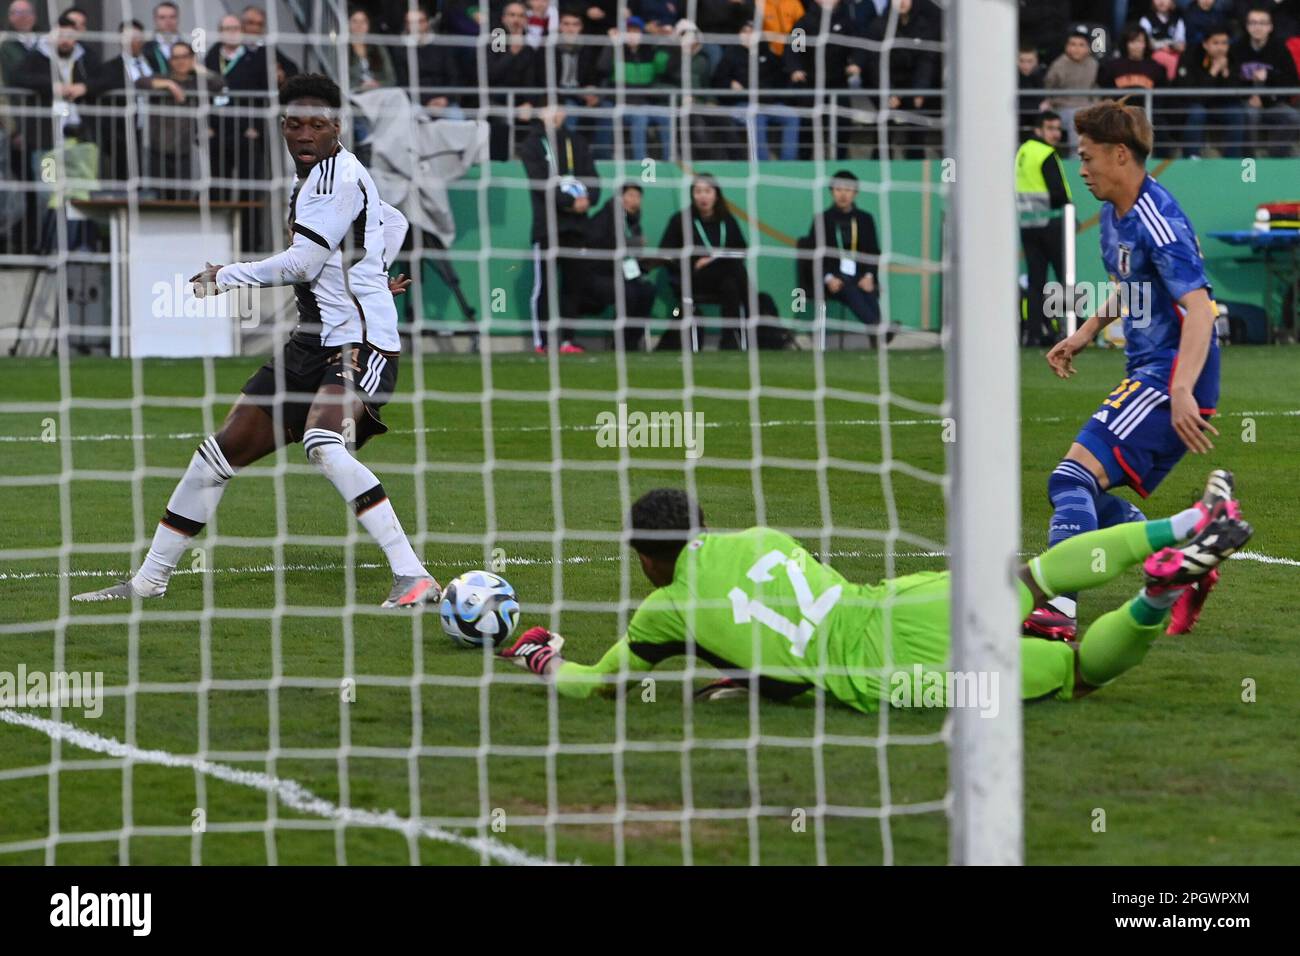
289	792
771	423
528	562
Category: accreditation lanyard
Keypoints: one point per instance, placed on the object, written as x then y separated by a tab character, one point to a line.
722	234
853	240
550	157
228	65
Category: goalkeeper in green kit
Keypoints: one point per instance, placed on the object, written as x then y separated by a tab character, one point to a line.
760	608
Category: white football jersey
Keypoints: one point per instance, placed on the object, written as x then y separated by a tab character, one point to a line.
338	206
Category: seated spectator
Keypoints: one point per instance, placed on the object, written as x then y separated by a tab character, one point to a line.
912	65
1132	66
847	271
18	42
703	135
1263	62
617	226
513	68
174	129
658	16
1029	80
704	246
369	65
1075	69
809	67
252	21
166	31
1209	66
437	81
577	77
780	16
1202	17
772	108
543	18
1164	25
1283	12
643	68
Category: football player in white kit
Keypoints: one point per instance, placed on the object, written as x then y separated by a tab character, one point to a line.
338	367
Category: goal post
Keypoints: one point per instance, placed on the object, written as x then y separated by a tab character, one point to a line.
985	755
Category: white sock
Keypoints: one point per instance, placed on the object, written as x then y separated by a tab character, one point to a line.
190	507
359	487
1184	523
1167	599
1064	605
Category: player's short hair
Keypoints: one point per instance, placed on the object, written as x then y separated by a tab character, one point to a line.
1115	123
631	184
311	86
131	24
1045	117
844	177
166	3
572	10
65	19
671	517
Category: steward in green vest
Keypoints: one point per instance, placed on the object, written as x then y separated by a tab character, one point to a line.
1041	194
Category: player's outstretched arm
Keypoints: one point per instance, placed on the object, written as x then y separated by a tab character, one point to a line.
1061	356
1193	347
538	650
301	262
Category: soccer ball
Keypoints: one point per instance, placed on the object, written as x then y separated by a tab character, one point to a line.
479	608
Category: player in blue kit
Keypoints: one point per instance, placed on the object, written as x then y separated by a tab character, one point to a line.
1161	408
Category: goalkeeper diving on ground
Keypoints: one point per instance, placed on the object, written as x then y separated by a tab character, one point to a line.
338	368
758	607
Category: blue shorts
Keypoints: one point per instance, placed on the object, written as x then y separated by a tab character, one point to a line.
1131	435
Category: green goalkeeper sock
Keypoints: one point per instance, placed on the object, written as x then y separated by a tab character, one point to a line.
1119	640
1092	559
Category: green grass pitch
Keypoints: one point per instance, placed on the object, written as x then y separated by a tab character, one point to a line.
1185	770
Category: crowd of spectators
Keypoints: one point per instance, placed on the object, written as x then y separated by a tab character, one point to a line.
624	69
1222	69
637	78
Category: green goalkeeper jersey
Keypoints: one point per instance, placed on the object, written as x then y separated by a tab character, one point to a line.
756	601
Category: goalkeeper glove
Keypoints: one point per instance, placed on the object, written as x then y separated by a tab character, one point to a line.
534	649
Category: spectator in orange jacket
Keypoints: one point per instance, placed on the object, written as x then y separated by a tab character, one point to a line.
780	16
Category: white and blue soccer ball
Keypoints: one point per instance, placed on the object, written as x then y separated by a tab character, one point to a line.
479	608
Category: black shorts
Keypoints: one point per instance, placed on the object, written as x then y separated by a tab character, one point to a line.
369	372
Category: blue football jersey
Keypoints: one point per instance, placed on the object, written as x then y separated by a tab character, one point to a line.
1153	253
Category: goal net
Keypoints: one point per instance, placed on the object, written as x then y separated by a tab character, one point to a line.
266	710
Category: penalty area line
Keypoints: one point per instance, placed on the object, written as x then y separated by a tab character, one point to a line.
289	792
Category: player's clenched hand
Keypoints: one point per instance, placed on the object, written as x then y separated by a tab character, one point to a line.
534	649
1185	416
1061	356
205	283
399	284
